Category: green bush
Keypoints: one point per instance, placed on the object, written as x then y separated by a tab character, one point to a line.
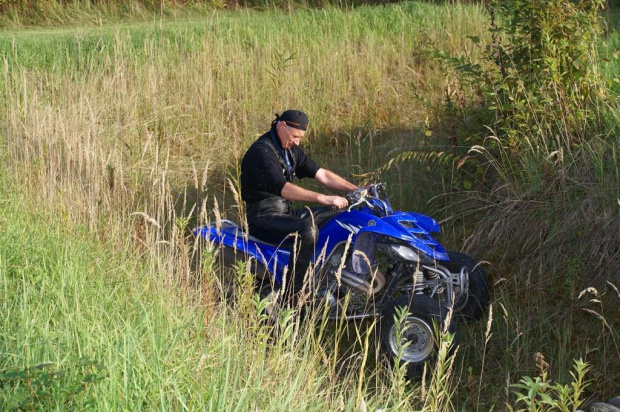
540	73
544	54
539	394
42	384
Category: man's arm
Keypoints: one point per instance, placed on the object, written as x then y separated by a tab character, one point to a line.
297	193
332	181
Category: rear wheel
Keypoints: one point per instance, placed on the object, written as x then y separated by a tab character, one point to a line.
474	303
415	342
229	277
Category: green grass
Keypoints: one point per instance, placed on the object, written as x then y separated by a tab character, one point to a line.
85	324
66	297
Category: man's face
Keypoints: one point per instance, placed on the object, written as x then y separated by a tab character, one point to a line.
289	136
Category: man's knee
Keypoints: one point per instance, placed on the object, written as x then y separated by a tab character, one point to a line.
308	232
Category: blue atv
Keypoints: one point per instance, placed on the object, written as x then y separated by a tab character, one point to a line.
370	261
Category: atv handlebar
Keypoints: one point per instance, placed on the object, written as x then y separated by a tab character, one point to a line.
361	196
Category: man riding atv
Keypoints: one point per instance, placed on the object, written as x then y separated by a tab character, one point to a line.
269	168
372	262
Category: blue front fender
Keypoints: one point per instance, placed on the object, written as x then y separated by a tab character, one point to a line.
413	229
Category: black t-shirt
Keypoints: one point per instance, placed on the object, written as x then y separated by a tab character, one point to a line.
263	169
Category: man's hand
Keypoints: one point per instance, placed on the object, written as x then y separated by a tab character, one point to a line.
337	201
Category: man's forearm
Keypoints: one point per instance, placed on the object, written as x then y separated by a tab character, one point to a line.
298	193
332	181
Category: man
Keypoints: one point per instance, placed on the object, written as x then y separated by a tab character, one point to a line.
268	171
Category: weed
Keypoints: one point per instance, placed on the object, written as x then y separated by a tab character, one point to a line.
539	394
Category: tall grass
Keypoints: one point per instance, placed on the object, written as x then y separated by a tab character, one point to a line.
61	12
113	116
20	13
548	216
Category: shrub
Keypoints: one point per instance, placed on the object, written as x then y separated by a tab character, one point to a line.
544	55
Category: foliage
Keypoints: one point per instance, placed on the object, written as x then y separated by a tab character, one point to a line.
545	53
539	394
34	387
553	141
534	83
540	75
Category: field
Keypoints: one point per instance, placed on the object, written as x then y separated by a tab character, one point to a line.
119	136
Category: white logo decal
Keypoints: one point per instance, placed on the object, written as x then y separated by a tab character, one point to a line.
350	228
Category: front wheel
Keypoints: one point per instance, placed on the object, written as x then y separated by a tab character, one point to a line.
414	342
473	304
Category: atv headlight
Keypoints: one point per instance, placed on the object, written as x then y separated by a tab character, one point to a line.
405	252
399	249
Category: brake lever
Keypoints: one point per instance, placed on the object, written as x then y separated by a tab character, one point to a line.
359	202
362	193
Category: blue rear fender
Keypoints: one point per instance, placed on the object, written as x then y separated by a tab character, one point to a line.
232	237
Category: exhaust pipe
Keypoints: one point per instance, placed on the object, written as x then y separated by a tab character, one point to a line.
361	284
